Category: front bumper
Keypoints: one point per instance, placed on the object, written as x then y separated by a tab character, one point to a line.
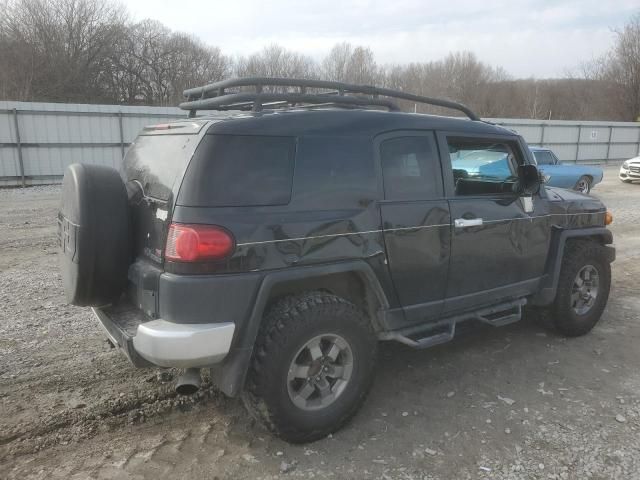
629	173
148	342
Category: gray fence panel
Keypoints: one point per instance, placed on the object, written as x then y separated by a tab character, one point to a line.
54	135
580	141
625	134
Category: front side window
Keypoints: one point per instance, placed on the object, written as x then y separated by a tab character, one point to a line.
482	167
409	168
544	158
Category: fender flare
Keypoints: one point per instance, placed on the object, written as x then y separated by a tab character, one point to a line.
229	376
547	291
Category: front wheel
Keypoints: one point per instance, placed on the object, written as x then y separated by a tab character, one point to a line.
583	289
583	185
312	367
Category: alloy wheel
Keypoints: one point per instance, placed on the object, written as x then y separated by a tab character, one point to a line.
584	291
320	372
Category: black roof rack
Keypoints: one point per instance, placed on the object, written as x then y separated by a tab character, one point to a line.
215	96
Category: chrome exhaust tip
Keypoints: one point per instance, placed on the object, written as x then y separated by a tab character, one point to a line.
189	382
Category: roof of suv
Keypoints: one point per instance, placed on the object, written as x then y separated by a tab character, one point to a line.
342	122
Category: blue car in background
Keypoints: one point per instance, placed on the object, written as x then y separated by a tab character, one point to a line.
577	177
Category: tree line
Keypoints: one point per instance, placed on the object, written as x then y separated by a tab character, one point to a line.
90	51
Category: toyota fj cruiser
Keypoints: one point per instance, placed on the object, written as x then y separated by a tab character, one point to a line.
279	239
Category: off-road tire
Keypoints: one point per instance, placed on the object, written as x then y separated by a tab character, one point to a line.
94	228
578	254
288	325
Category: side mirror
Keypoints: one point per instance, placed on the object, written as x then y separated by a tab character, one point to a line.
529	179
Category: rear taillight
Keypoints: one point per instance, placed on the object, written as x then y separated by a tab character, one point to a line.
198	243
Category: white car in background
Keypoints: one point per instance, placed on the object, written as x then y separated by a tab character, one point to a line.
630	170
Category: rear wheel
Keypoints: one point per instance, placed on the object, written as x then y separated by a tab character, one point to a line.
312	367
583	185
583	289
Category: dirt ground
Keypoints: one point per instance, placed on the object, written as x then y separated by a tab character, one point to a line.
512	402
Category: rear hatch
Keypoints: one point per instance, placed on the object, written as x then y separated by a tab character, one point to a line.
153	168
152	171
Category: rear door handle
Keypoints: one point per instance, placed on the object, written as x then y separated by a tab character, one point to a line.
463	222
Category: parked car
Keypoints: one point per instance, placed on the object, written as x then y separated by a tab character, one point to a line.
581	178
630	170
277	245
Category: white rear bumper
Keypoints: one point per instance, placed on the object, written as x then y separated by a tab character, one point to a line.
169	344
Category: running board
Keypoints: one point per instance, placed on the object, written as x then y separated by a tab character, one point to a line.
497	316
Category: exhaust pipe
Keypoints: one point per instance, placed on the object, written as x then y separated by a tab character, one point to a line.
189	382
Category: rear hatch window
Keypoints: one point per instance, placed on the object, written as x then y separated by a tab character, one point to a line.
156	161
239	170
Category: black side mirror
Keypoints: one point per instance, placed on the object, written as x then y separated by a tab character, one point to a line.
529	179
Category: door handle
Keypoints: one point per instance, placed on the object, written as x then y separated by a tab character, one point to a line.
463	222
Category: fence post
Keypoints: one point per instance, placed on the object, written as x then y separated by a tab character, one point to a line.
542	136
19	146
578	142
121	135
606	160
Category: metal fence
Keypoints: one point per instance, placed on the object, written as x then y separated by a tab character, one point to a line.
39	140
580	141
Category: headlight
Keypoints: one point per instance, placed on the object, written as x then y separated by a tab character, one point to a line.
625	165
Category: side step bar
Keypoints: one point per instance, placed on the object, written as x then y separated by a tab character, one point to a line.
425	336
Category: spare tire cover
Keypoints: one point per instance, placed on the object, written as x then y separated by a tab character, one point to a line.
95	235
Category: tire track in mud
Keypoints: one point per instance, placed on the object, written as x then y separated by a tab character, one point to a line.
84	421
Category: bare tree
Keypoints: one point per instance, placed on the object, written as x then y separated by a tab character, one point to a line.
276	61
88	50
619	70
352	65
56	49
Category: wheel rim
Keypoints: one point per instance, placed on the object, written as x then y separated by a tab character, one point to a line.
585	289
583	186
320	372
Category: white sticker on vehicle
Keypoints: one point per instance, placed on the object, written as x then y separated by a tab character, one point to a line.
161	214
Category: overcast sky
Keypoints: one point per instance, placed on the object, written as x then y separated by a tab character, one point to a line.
540	38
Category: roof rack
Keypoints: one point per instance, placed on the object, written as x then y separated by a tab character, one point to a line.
215	96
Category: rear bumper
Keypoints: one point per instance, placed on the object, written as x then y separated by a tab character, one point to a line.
148	342
183	345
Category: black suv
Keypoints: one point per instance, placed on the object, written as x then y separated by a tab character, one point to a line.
278	242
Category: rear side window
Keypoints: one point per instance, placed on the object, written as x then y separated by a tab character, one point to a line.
239	170
543	158
410	168
337	169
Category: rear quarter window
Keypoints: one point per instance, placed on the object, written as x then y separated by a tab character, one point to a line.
239	170
335	171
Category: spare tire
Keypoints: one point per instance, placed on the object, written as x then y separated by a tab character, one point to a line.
94	230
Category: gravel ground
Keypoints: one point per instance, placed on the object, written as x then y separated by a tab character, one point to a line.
509	403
